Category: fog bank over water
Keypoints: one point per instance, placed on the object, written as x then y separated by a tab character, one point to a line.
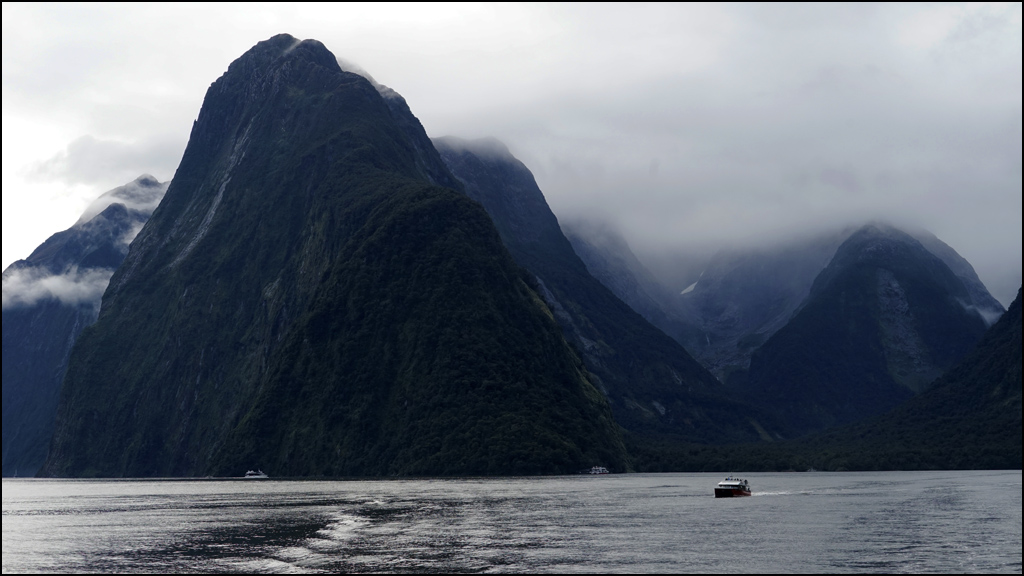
688	128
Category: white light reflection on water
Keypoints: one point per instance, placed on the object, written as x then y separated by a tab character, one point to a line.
798	522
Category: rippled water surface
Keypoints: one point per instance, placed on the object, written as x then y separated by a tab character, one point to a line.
796	522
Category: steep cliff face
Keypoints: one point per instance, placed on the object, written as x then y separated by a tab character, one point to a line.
308	300
882	321
48	299
654	386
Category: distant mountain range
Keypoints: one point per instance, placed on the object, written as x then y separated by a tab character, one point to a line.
821	331
741	296
326	291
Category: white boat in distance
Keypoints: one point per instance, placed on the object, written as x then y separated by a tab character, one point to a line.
255	475
731	487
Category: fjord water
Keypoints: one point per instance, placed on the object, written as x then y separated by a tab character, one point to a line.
795	522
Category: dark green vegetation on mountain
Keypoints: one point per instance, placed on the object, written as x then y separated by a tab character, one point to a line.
882	321
308	300
653	384
49	298
968	419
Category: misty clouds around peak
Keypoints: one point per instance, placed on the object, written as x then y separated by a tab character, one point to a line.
385	92
142	194
487	147
677	270
75	266
811	120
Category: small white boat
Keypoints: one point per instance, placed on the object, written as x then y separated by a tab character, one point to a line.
598	470
255	475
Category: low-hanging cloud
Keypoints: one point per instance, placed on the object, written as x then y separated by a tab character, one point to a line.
30	286
810	120
92	161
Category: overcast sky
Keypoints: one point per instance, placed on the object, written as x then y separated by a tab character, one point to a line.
685	126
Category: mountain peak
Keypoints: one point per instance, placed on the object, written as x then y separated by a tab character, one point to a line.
309	301
287	46
146	180
142	194
883	320
880	244
873	237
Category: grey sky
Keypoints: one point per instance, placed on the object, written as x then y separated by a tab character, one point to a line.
686	126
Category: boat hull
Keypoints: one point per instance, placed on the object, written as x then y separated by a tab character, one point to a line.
730	493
